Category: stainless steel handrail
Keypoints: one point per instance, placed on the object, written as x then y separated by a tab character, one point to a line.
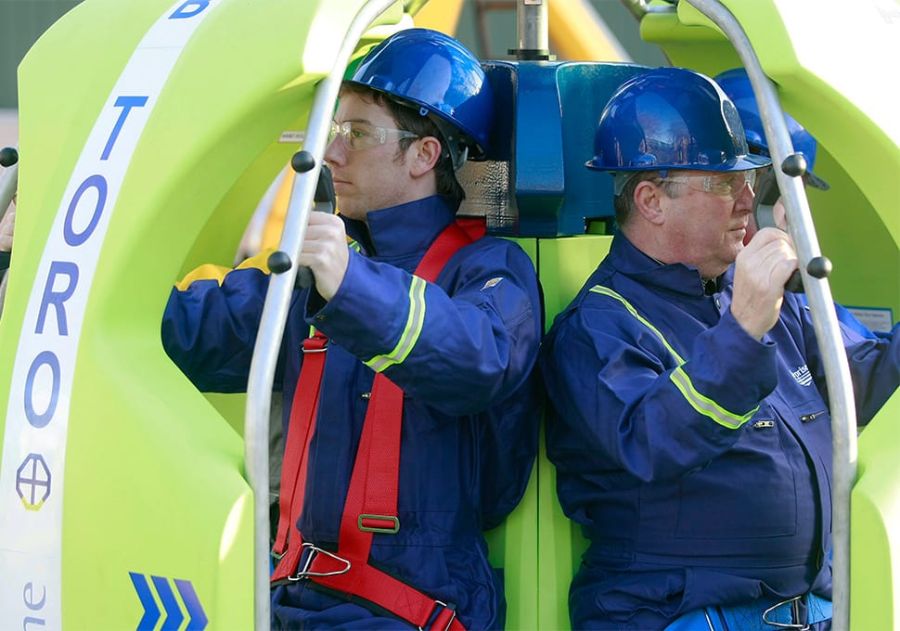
818	292
278	297
9	181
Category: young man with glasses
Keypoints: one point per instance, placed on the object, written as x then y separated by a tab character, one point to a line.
427	324
690	430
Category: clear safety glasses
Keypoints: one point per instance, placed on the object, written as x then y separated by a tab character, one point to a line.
727	185
357	135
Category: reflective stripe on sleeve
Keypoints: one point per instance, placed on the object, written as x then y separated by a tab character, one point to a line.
606	291
706	406
411	332
702	404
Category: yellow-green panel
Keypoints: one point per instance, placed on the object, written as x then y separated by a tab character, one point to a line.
875	515
565	265
514	544
154	480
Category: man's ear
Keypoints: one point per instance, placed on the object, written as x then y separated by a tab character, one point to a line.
426	153
647	201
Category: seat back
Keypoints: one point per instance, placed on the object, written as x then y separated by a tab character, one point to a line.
535	189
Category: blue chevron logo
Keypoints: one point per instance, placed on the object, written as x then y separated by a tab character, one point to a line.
172	610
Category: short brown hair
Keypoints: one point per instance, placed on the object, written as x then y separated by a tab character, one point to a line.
408	118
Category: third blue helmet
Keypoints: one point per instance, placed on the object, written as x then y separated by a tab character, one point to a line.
736	84
671	118
434	72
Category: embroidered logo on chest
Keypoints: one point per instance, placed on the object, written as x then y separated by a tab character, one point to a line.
802	376
492	283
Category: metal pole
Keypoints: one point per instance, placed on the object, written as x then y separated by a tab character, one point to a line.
532	27
278	297
9	181
818	292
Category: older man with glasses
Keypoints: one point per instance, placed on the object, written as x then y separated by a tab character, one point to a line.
413	425
690	431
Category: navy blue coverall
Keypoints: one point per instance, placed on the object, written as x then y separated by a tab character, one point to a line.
696	458
470	412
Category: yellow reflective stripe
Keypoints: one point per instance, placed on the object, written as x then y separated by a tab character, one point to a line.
411	332
606	291
219	272
354	245
705	405
680	378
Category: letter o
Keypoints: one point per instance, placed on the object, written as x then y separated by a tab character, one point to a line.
77	238
46	358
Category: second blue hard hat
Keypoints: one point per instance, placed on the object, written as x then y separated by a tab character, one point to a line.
736	84
433	71
671	118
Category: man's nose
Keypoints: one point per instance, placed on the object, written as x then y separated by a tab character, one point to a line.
744	200
335	152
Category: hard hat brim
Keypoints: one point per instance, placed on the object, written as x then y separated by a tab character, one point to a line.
811	179
741	163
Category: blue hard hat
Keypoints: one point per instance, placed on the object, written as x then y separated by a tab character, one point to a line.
736	84
435	72
671	118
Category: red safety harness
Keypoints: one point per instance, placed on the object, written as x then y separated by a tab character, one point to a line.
371	505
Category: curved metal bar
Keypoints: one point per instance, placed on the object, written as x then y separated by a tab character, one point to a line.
9	181
278	297
837	371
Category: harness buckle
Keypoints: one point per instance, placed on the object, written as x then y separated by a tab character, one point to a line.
313	551
795	615
441	608
383	524
314	345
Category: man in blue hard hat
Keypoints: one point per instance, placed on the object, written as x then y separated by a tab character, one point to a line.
412	426
736	85
689	431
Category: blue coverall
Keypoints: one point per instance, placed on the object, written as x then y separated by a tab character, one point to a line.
696	458
470	413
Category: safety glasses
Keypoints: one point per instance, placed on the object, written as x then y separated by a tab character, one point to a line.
726	185
357	135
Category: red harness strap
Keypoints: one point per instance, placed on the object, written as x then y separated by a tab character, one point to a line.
371	504
301	425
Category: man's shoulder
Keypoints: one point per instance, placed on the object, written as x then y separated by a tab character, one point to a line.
495	252
599	305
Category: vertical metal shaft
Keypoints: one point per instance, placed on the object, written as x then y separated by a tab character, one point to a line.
532	26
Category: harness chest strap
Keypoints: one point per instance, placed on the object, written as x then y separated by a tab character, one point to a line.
371	504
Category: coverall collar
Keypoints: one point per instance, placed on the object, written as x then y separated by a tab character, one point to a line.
674	277
404	229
